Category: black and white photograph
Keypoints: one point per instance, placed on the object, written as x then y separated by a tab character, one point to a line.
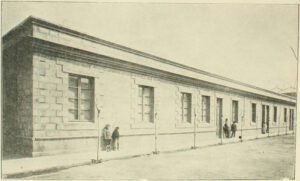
149	90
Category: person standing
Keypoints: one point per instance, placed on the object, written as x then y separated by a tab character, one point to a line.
106	137
115	139
226	128
233	129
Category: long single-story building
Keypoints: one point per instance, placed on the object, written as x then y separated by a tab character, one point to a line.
56	81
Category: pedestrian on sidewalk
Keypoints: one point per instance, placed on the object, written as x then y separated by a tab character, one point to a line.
115	139
233	129
226	128
106	137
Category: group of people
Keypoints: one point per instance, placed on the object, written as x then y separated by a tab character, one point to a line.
226	129
110	140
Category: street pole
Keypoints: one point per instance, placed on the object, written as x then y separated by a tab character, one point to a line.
222	130
194	147
156	134
242	128
243	120
278	124
256	122
98	139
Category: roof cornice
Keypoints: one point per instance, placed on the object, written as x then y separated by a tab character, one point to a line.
30	21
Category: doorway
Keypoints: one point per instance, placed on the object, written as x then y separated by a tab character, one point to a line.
219	113
268	119
291	120
265	120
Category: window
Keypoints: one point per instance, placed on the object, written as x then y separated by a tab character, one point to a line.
235	111
253	113
275	114
81	98
186	107
146	104
206	109
285	114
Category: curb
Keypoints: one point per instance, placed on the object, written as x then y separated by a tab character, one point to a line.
42	171
59	168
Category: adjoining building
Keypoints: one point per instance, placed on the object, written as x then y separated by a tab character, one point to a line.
55	79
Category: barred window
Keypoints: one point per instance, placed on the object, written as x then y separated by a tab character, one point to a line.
186	107
235	111
275	114
253	113
81	98
206	109
146	104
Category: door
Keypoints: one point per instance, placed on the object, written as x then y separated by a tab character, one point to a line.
263	119
291	120
267	118
219	113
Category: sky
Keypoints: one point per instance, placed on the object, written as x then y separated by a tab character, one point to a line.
250	43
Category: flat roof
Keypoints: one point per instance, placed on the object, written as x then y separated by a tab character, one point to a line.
135	56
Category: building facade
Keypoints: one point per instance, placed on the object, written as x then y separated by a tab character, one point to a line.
61	87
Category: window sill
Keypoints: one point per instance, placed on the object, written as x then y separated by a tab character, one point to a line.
252	123
83	122
142	126
204	125
184	125
77	125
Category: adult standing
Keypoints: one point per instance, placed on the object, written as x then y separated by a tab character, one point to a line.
106	136
233	129
226	128
115	138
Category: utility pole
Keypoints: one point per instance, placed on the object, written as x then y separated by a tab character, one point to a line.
278	124
242	128
222	129
156	133
268	120
194	147
256	122
98	137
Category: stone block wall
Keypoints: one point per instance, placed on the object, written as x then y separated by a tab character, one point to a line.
17	100
9	96
115	93
53	132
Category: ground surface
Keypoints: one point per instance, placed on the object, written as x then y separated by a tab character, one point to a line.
267	158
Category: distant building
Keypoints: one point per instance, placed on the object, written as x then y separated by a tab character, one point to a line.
55	79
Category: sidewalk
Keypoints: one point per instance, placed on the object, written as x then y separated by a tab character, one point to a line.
22	167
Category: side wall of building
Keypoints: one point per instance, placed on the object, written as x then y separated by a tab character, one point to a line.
17	100
116	95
